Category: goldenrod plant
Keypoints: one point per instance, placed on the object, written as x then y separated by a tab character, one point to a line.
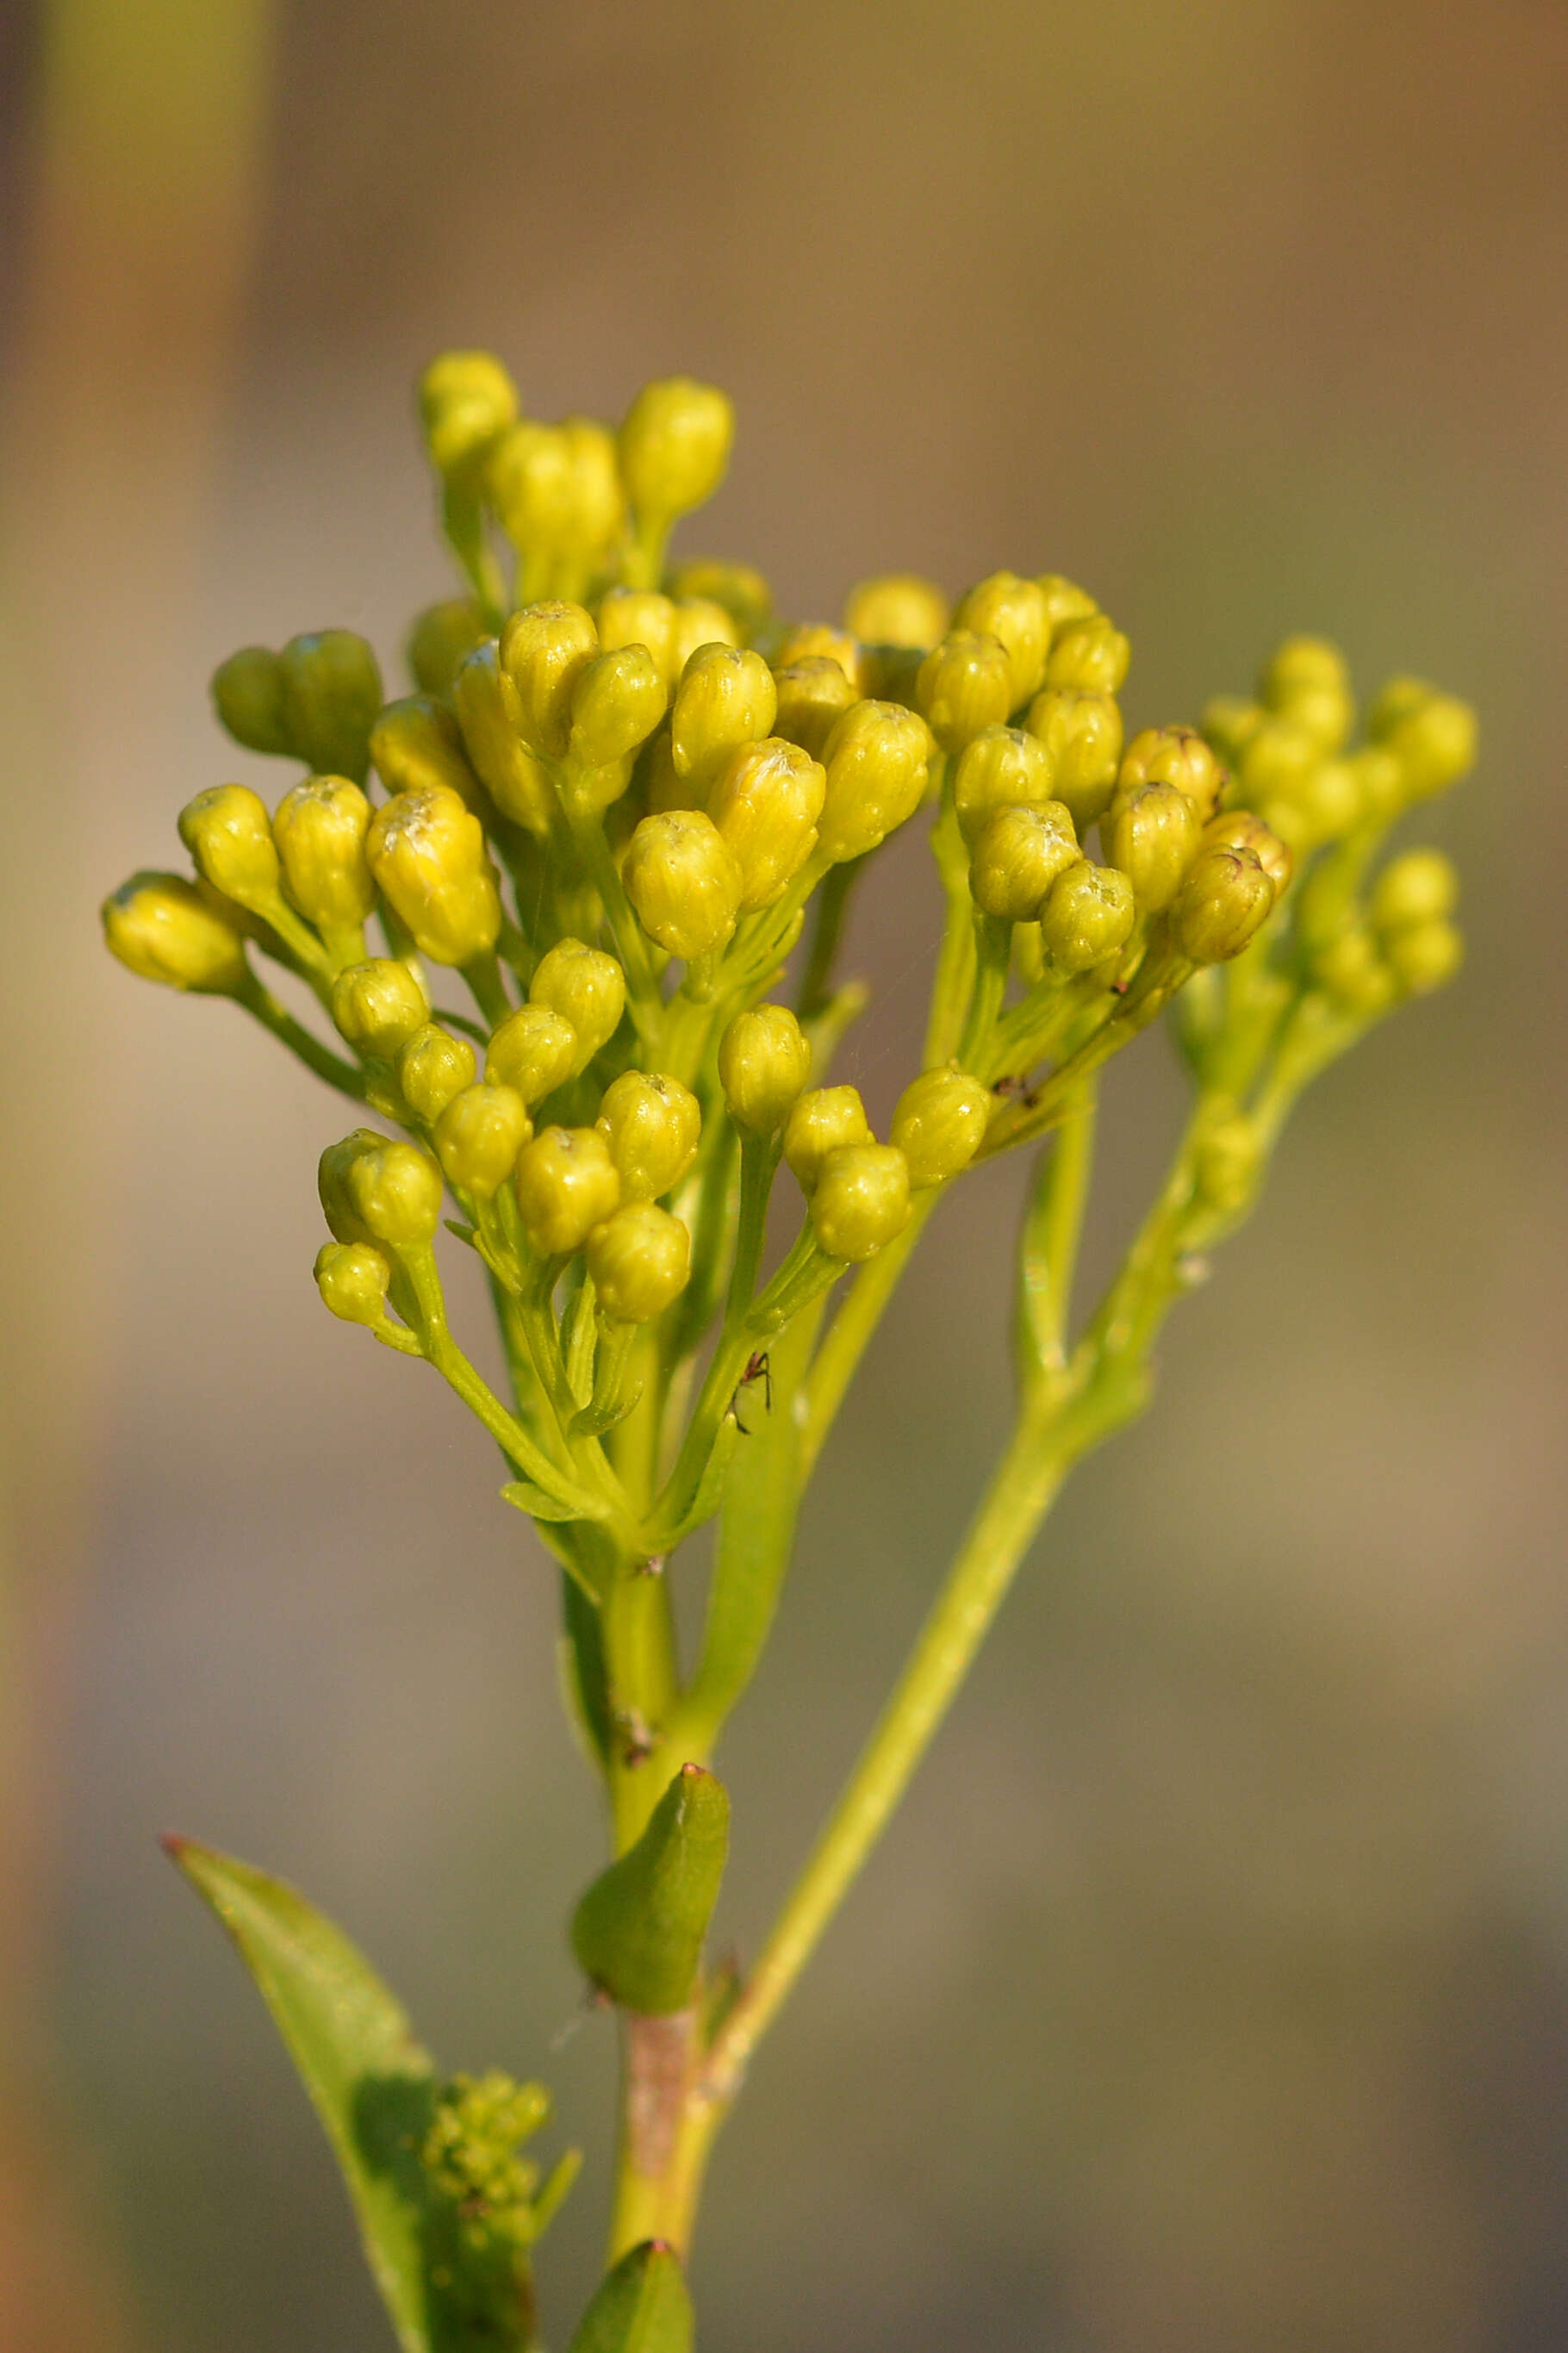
571	909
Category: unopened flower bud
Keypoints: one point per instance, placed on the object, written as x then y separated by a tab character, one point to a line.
1016	611
1222	906
441	636
683	881
675	446
1017	856
618	701
479	1136
378	1006
822	1121
739	589
639	616
332	1171
964	683
1089	656
1351	969
247	694
229	836
541	651
898	609
467	400
353	1279
1172	755
331	691
876	760
1306	681
395	1191
763	1064
653	1126
813	696
1423	956
566	1184
820	641
1002	768
940	1124
161	927
432	1067
1227	1158
1087	917
1064	600
596	507
1323	804
1432	735
529	474
533	1051
319	829
1151	833
586	989
1278	758
1421	886
726	698
698	622
490	718
861	1201
1082	733
427	855
765	804
1239	829
416	746
1228	724
640	1260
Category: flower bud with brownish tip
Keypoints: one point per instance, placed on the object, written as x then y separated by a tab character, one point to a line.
1223	902
1151	833
1172	755
1239	829
1003	768
1018	856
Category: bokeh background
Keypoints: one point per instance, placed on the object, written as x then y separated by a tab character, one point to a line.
1212	1991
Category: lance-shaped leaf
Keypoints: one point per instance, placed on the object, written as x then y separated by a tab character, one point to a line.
642	2306
639	1930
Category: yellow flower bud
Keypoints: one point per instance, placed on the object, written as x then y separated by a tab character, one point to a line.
763	1062
228	834
653	1126
726	698
353	1278
534	1051
739	589
161	927
1324	803
1228	724
1379	781
1421	886
1002	768
541	651
1151	833
441	636
333	1171
820	1122
597	506
1082	733
530	476
940	1124
467	400
639	616
698	622
861	1201
640	1260
683	881
875	763
1305	680
586	989
618	701
897	608
1089	656
765	804
427	855
964	683
396	1192
1276	761
1172	755
1222	906
1018	856
1087	917
1018	613
675	446
489	716
1239	829
378	1006
813	696
479	1136
247	694
432	1067
330	692
416	746
566	1184
319	829
1432	735
1065	601
819	641
1350	970
1423	956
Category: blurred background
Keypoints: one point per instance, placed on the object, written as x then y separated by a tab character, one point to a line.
1212	1991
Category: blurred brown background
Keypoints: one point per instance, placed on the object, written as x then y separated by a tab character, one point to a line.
1212	1992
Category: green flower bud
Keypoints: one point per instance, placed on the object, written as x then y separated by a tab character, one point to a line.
638	1931
763	1062
642	2305
161	927
418	747
940	1124
353	1279
427	855
1421	956
618	701
1087	917
964	683
1228	1160
345	1222
229	836
1172	755
813	696
1306	681
1002	768
653	1126
698	622
765	804
395	1193
331	689
822	1121
739	589
1151	833
1379	781
639	616
683	881
1019	855
875	763
1065	601
1223	902
861	1201
541	651
1278	759
1432	735
378	1006
1228	724
1089	656
432	1067
1421	886
898	609
489	716
1239	829
441	636
566	1184
479	1136
819	641
640	1260
319	829
1323	804
726	698
1018	612
1352	971
535	1051
247	694
1082	733
586	989
675	446
467	400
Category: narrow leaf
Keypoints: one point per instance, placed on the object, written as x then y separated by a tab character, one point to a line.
642	2306
539	1503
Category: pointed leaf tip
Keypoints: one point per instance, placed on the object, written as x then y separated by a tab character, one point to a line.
642	2306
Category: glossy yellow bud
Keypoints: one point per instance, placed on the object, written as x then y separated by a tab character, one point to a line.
639	616
247	694
1151	833
1432	735
161	927
1222	906
861	1201
940	1124
675	446
1172	755
763	1064
820	1122
1064	600
1089	656
333	1171
964	683
739	589
1016	611
319	829
395	1193
353	1279
698	622
427	855
416	746
490	718
331	691
726	698
534	1052
875	763
229	836
653	1126
813	696
542	649
819	641
898	609
1002	768
1421	886
618	701
1082	733
1239	829
586	989
683	881
467	400
1087	917
1423	956
566	1184
640	1260
432	1067
765	804
441	636
1018	856
378	1006
529	474
479	1136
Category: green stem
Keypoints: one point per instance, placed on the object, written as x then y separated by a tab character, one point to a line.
1051	1231
759	1159
849	1333
259	1001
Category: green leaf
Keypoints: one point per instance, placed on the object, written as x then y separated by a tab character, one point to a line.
638	1931
709	1492
539	1503
642	2306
